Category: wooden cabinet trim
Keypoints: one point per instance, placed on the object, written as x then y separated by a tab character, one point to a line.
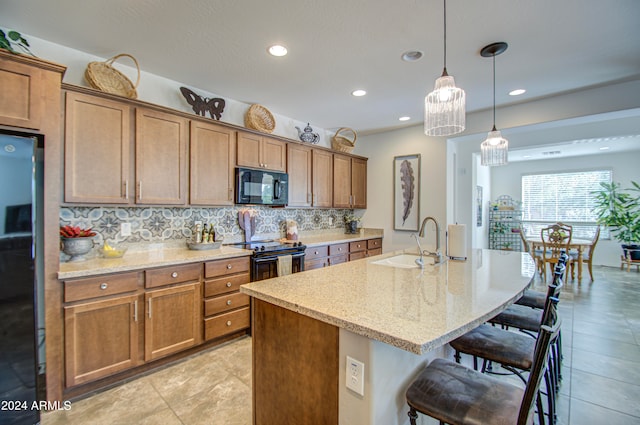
22	88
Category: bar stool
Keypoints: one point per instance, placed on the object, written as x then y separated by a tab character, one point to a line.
458	395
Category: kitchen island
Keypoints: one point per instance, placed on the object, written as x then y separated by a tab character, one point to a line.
393	319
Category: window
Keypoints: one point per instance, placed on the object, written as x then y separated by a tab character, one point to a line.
565	197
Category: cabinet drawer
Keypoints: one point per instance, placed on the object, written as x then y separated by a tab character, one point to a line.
337	259
357	246
226	323
374	243
224	285
92	287
341	248
315	264
372	252
224	303
357	255
173	274
316	252
225	267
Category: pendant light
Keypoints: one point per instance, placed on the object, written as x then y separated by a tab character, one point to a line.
444	107
495	148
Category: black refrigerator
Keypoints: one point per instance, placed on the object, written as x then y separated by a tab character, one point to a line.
22	347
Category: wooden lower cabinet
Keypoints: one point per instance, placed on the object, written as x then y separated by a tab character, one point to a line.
101	338
226	310
320	256
172	320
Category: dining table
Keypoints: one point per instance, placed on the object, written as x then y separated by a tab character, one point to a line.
580	245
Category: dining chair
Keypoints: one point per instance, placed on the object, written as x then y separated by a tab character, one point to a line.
556	239
458	395
587	257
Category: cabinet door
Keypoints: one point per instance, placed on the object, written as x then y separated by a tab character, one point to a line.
161	148
249	150
358	183
299	170
172	320
22	91
97	144
274	154
322	178
341	181
212	158
101	338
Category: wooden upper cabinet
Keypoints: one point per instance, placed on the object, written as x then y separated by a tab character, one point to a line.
257	151
212	159
358	183
349	182
97	141
299	170
22	88
161	157
322	178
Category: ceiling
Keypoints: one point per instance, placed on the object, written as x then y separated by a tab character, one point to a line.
336	46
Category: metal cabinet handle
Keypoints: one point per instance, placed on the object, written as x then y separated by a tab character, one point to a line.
228	302
150	307
104	285
339	249
174	274
140	190
230	198
135	311
229	266
228	322
126	189
228	284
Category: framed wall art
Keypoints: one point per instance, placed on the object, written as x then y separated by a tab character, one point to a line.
406	192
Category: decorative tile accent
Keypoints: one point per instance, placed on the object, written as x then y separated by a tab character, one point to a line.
157	224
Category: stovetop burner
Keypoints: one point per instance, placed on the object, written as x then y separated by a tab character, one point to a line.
271	246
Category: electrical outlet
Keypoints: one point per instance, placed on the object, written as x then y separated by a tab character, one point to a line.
355	375
125	229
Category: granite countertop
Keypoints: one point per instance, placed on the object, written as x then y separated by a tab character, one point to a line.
141	256
413	309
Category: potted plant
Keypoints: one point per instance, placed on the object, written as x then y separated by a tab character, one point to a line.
351	222
619	210
14	38
76	241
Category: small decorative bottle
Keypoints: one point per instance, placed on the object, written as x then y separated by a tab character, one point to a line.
197	234
205	234
212	234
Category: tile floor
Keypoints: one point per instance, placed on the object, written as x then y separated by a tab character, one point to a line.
601	337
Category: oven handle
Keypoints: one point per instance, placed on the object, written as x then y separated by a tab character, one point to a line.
275	257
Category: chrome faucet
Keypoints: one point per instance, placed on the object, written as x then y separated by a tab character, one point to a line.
437	256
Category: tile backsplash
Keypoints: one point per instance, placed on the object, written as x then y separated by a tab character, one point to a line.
165	224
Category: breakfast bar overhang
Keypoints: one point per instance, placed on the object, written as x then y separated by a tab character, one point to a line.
392	317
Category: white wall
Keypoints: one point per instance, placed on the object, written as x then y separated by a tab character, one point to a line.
16	174
506	181
381	149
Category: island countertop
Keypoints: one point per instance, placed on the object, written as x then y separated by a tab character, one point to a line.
413	309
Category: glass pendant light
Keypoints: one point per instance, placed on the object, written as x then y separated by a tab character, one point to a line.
444	107
494	150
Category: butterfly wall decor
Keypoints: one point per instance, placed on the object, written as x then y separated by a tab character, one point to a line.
201	105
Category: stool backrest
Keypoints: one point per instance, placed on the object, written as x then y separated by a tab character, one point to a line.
546	336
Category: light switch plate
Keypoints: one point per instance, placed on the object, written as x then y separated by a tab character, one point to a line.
355	375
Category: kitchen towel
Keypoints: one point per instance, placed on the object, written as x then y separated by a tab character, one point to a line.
457	241
284	265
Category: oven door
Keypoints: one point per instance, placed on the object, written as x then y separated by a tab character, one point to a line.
267	267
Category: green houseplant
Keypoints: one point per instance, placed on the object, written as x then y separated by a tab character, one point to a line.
619	210
14	38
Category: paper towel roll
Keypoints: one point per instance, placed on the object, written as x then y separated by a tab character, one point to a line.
457	241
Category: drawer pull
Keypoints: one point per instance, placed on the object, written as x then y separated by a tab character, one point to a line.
104	285
228	322
174	274
315	252
229	266
228	302
339	249
359	245
135	311
228	284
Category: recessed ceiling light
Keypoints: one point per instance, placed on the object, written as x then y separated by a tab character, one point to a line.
277	50
359	92
404	118
9	148
517	92
411	55
604	148
526	156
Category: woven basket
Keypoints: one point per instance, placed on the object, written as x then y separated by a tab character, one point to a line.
344	140
104	77
259	118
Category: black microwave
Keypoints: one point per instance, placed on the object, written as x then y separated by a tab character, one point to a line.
261	187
